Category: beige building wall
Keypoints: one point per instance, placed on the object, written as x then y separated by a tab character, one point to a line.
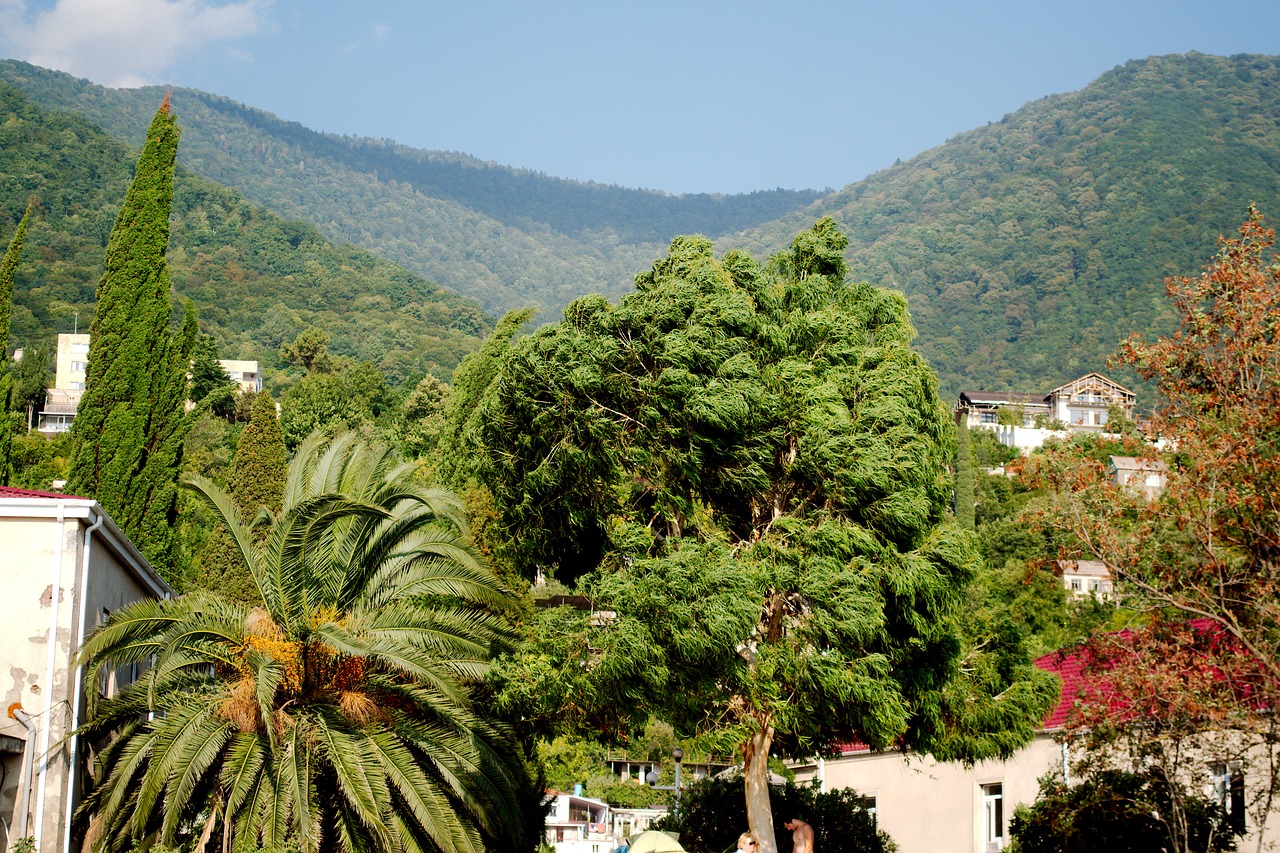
70	366
243	373
66	565
932	807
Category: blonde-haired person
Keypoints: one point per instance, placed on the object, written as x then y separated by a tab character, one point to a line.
747	842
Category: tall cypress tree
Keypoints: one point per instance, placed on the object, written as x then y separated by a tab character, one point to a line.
128	433
257	480
7	267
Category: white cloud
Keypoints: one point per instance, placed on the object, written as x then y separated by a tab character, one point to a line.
377	32
121	42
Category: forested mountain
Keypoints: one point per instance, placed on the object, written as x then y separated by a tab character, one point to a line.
257	279
1028	248
504	236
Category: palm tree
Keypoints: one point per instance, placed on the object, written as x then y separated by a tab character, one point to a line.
337	713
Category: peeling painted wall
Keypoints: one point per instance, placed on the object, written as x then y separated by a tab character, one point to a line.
41	561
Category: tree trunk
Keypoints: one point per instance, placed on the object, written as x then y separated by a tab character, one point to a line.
755	778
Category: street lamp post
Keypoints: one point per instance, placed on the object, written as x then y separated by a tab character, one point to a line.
652	777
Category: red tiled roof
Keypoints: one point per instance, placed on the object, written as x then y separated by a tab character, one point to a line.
11	492
1069	666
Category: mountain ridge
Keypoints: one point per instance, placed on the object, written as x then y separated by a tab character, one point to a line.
1027	248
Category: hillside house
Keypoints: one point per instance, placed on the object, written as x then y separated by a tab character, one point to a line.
1083	578
71	365
1145	476
61	401
66	568
1025	421
578	824
244	373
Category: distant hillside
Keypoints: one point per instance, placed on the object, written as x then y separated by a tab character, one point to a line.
1027	248
257	279
1030	247
504	236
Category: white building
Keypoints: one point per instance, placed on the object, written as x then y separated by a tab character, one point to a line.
66	567
578	824
1145	476
1025	421
61	401
1082	578
925	805
243	373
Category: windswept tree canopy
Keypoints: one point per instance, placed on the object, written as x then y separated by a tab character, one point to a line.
747	464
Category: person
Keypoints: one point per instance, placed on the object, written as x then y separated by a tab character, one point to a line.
801	835
747	843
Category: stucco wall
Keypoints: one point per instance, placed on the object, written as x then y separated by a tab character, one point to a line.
41	577
42	560
928	806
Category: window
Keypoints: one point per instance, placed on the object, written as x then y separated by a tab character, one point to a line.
76	386
1228	788
79	349
79	366
993	817
988	417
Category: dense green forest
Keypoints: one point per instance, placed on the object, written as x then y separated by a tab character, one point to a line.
506	237
1029	247
257	279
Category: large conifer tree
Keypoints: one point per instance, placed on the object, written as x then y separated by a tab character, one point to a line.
7	267
129	428
747	465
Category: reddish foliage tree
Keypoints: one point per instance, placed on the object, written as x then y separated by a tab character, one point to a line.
1208	548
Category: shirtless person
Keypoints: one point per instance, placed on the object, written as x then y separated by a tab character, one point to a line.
801	835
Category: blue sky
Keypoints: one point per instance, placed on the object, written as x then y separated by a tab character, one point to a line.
679	96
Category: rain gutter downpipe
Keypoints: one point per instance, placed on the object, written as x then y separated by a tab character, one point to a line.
78	685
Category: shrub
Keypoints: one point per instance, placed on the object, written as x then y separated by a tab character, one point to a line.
713	814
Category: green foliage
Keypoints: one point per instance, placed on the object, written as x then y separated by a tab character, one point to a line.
38	461
711	816
210	384
350	398
256	483
964	479
747	466
8	264
1028	247
1116	811
130	425
30	376
337	712
987	450
309	350
422	417
257	279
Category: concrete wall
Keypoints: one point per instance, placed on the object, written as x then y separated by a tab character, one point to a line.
928	806
37	582
53	595
73	353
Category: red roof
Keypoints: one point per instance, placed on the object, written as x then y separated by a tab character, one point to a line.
1069	666
11	492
